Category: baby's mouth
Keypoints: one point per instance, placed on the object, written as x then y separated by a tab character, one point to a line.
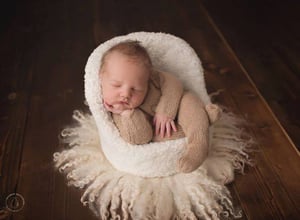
123	102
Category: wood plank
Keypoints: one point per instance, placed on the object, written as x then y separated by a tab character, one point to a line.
265	37
56	90
16	80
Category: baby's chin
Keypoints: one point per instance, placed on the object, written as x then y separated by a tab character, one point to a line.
122	106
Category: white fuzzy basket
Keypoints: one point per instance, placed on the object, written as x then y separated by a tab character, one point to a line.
168	53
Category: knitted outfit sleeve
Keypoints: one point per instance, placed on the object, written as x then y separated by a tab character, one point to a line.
171	93
134	128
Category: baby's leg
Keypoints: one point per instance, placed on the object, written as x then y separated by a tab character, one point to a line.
194	121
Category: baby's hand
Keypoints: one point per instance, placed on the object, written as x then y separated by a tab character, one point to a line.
163	124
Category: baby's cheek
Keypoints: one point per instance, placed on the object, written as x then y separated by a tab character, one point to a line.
107	96
138	100
107	99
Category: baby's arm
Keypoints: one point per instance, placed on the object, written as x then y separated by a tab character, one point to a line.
167	108
133	126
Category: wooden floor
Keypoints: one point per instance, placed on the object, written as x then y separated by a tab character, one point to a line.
250	51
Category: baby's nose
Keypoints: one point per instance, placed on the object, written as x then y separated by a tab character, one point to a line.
126	93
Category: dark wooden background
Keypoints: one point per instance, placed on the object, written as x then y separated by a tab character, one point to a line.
250	51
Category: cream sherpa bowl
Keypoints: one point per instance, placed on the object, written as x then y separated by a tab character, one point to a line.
168	53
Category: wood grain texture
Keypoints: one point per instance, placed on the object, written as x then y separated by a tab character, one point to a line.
15	90
265	36
44	48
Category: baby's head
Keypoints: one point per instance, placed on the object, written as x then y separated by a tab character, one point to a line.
124	72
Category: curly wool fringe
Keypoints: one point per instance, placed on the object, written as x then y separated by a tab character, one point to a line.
112	194
229	138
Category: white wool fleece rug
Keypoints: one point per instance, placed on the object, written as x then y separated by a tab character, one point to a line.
123	181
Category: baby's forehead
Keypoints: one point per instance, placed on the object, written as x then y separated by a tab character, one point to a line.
117	55
116	58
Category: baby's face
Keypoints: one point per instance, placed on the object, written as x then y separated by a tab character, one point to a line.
124	82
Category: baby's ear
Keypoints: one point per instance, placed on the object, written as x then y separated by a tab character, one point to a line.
213	111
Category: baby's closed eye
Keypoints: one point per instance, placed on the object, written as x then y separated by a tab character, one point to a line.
115	85
137	89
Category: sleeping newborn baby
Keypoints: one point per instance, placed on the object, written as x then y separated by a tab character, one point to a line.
149	105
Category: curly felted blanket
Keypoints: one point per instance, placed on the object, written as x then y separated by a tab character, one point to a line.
122	181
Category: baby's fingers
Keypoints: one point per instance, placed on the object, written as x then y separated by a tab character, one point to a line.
168	128
157	128
162	130
173	126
